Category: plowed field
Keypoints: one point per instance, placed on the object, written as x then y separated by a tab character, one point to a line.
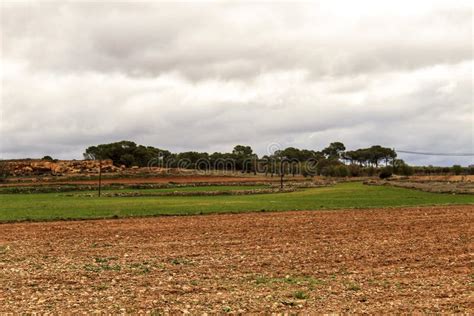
377	260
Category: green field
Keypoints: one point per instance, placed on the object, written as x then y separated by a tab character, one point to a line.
54	206
178	189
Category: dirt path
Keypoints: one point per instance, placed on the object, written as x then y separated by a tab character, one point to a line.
404	260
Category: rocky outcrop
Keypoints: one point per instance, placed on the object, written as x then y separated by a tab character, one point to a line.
59	167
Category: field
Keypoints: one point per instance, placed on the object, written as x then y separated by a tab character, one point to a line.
345	247
436	184
86	205
376	261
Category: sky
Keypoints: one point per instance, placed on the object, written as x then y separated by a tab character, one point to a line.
205	76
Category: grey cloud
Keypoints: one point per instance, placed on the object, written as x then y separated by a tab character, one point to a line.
229	41
208	76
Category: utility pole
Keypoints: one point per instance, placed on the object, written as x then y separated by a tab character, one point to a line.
100	175
281	181
281	173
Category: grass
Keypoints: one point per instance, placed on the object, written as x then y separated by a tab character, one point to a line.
71	189
181	189
53	206
353	286
101	267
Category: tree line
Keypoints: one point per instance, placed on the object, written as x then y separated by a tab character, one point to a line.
333	160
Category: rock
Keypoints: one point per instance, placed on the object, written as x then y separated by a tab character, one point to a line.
42	167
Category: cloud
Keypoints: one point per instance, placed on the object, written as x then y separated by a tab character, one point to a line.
206	76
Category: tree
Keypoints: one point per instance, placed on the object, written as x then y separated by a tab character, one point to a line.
112	151
370	156
401	168
126	153
190	159
334	150
390	155
241	150
127	160
4	170
376	154
244	158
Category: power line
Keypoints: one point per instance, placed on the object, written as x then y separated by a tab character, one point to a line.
436	154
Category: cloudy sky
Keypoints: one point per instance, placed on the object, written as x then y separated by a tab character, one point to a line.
207	76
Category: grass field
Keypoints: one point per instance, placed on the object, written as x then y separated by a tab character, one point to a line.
54	206
180	189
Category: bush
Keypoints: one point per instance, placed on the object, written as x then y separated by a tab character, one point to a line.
457	169
307	171
4	171
354	170
386	173
335	171
401	168
342	171
371	171
406	170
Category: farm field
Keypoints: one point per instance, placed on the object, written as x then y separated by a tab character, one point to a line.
60	206
183	179
413	259
239	158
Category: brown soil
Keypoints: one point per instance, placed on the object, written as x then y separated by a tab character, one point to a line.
367	261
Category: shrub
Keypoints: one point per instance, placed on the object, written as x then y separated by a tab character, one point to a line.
457	169
371	171
386	173
4	171
342	171
307	171
401	168
354	170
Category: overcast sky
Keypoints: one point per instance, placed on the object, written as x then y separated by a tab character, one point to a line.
207	76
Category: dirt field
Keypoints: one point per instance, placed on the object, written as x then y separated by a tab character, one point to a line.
405	260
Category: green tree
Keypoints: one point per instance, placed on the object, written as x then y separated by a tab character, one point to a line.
47	158
334	150
244	158
401	168
126	153
127	160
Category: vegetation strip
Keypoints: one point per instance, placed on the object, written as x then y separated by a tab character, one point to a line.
200	193
48	206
